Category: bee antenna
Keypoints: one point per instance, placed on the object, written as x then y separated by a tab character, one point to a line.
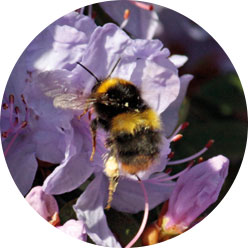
91	73
118	61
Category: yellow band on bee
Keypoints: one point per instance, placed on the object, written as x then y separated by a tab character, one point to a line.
132	121
110	82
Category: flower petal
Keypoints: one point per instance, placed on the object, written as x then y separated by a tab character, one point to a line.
178	60
170	115
60	45
160	86
90	209
43	203
129	196
74	228
75	168
196	190
22	163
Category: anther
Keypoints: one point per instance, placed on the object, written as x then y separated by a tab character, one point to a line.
126	14
4	134
176	137
200	159
23	99
209	144
24	124
5	106
144	6
184	125
125	19
168	171
17	110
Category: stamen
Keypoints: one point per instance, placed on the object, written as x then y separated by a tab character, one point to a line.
10	144
126	14
176	137
11	99
180	128
165	178
17	110
16	121
184	125
194	156
125	18
4	134
144	6
200	160
145	217
11	103
14	118
24	124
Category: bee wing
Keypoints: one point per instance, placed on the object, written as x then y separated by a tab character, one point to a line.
69	101
58	84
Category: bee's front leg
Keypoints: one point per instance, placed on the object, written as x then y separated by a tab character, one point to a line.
93	128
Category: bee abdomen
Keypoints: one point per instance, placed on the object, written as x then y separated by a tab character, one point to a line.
137	152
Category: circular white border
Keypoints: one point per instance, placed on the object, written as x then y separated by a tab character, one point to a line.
21	21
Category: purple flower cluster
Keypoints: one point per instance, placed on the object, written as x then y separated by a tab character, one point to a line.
44	125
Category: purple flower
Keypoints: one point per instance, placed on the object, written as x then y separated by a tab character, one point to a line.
194	192
144	62
30	125
47	207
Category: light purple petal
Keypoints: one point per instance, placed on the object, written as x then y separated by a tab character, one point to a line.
129	196
144	48
90	209
160	86
76	166
74	228
43	203
61	44
196	190
105	47
178	60
170	115
22	163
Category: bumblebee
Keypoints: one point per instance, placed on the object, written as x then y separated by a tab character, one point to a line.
134	129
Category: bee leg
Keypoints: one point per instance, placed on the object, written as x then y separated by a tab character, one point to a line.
112	172
81	115
113	182
90	112
93	128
